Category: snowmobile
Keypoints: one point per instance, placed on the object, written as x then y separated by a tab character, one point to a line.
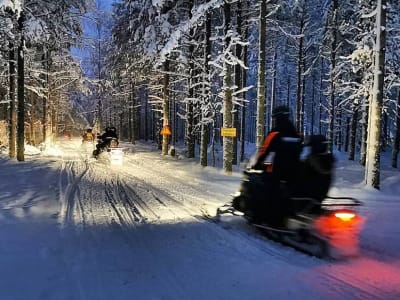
320	226
109	146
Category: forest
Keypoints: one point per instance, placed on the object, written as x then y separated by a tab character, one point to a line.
203	73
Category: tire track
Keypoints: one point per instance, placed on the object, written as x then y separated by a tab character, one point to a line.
71	194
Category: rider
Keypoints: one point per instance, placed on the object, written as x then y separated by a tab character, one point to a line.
88	136
109	133
317	169
279	156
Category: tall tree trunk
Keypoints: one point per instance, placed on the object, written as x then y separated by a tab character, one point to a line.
53	112
353	133
260	123
190	137
396	144
165	137
339	137
134	122
347	141
243	108
372	170
175	127
20	93
332	92
47	103
13	116
320	97
146	114
273	87
32	139
130	113
238	52
227	105
364	131
384	130
205	135
299	99
312	105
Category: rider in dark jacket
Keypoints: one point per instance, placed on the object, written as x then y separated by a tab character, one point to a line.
281	148
110	132
104	139
317	169
279	156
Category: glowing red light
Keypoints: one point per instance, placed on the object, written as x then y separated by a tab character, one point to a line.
345	216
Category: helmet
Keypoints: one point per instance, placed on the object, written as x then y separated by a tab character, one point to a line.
112	128
280	111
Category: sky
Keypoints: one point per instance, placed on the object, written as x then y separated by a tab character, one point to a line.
72	227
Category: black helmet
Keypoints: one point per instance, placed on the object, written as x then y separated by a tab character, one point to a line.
112	128
280	111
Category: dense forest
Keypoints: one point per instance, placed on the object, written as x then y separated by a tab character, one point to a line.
204	73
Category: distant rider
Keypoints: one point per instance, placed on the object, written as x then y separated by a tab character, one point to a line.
104	140
88	136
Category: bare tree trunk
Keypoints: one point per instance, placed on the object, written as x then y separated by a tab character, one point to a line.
353	133
190	138
396	144
243	115
13	115
47	102
273	87
165	108
372	170
312	105
384	131
347	141
133	117
238	51
228	105
299	99
320	98
260	123
332	91
339	137
130	113
205	128
32	140
364	132
20	94
146	114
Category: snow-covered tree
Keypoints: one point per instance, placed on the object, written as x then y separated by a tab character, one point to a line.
372	170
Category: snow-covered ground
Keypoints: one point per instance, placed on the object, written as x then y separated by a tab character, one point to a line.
75	228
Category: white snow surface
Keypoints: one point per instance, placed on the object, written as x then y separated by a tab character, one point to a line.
76	228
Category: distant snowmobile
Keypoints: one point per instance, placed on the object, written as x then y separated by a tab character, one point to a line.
313	222
110	147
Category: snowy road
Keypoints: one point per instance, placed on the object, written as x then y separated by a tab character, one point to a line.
74	228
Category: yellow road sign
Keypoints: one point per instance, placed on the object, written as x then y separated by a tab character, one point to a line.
228	132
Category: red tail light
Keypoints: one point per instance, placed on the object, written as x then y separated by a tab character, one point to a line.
345	215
